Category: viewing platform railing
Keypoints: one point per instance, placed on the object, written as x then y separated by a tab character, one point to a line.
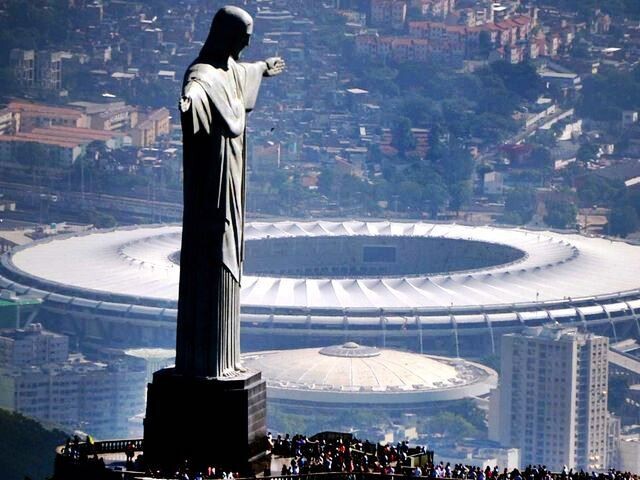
80	458
102	446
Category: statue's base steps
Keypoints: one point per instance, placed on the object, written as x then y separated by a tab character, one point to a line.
206	422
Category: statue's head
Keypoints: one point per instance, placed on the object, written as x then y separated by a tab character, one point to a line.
230	31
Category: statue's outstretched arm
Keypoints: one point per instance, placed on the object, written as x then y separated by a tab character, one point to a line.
194	97
252	74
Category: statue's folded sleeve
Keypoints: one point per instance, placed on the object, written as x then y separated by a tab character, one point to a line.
195	98
206	87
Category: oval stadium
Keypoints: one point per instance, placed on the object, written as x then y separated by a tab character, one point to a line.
439	288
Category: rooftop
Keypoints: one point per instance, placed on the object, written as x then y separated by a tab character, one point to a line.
38	108
351	373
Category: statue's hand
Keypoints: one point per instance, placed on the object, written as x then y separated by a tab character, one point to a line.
275	66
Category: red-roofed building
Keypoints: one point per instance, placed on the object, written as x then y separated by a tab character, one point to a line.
450	43
59	153
154	125
525	24
61	132
400	49
504	35
111	140
34	115
121	118
61	145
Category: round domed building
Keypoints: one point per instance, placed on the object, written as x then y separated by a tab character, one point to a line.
338	383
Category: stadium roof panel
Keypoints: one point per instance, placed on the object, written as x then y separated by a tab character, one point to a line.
134	264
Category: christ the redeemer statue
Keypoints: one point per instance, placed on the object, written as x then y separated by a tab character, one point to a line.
208	390
217	93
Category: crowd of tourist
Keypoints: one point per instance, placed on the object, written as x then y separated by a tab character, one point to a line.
539	472
343	453
350	459
350	455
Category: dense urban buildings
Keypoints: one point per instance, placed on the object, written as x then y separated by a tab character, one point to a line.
552	399
41	379
501	81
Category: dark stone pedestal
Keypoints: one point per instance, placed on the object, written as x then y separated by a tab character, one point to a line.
205	421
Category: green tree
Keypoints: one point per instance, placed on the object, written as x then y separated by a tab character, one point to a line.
511	218
521	202
456	165
597	190
98	219
402	137
8	81
461	194
412	195
541	156
606	95
484	44
434	191
587	8
28	449
546	138
34	24
35	156
587	152
623	220
520	78
560	213
451	425
326	181
420	110
436	196
632	198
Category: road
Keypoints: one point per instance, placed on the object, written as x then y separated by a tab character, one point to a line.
155	210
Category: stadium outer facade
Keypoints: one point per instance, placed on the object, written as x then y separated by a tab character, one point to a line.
319	283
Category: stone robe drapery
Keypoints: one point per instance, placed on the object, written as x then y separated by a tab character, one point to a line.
213	113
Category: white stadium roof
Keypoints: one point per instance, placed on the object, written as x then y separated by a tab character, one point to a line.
133	263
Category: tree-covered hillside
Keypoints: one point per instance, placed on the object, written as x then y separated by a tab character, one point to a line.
27	449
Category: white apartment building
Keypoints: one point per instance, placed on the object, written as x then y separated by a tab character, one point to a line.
32	346
39	379
552	398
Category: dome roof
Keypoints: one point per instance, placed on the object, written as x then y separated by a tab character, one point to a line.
351	373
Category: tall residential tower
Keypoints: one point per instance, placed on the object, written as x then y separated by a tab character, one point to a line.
552	399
